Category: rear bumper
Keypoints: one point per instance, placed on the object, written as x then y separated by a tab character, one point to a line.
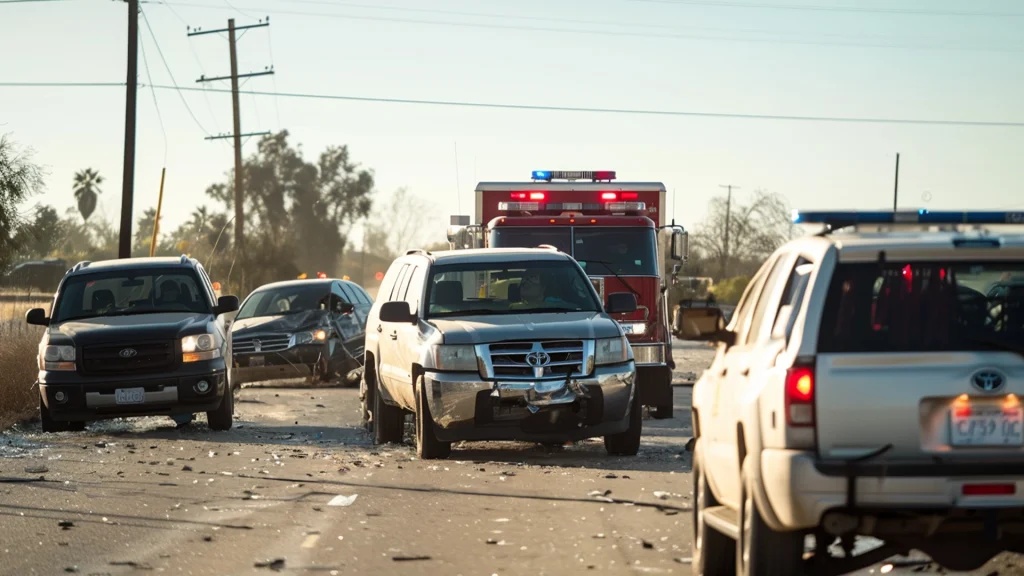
465	408
800	488
164	395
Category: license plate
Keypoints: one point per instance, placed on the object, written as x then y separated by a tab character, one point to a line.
988	427
627	329
130	395
256	361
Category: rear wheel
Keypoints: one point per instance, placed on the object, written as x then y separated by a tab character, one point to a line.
388	421
627	443
223	416
428	447
761	551
713	553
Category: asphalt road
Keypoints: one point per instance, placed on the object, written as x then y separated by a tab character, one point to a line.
298	488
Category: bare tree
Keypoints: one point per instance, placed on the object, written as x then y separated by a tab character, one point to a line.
19	179
756	229
403	222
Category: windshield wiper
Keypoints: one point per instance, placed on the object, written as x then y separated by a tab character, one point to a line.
1004	346
547	310
618	276
467	313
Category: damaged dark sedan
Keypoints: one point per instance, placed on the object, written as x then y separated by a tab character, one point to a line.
309	329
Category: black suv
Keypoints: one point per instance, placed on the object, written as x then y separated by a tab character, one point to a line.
134	337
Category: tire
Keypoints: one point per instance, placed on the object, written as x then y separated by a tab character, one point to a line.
663	412
365	402
713	553
49	424
428	447
388	421
223	416
761	551
627	443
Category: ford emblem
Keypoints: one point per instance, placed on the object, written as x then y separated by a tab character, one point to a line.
988	380
128	353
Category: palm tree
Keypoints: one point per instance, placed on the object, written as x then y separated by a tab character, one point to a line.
87	186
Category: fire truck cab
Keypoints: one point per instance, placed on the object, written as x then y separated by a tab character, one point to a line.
617	233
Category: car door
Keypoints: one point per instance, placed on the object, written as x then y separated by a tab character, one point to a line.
734	388
374	327
351	323
390	362
410	337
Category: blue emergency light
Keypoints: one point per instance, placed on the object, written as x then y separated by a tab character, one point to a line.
839	219
595	175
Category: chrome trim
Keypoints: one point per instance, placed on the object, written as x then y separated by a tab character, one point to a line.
513	357
649	354
269	343
168	395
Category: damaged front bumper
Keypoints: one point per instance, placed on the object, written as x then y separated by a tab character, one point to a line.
466	407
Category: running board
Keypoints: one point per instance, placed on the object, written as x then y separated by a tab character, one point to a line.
723	519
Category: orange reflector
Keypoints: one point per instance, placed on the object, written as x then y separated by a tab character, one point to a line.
216	286
190	357
989	489
593	221
961	406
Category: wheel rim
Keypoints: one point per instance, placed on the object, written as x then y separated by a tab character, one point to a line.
698	518
748	510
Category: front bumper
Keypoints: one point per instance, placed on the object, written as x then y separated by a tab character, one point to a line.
800	488
299	362
86	400
464	407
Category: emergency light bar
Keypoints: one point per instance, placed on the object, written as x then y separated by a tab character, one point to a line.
595	175
518	206
840	219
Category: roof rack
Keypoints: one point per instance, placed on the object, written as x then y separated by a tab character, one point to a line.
184	259
417	251
835	220
81	265
548	247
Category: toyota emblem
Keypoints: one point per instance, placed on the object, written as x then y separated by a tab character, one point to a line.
127	353
988	380
257	345
538	359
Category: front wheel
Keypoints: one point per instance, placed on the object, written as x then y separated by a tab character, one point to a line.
50	425
428	447
221	418
627	443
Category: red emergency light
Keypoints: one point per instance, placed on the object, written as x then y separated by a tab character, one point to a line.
529	196
613	196
321	275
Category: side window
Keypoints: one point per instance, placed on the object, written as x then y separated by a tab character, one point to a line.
346	293
397	287
764	298
364	296
403	286
336	299
415	292
390	279
792	299
741	316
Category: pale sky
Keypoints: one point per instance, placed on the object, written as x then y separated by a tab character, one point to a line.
901	59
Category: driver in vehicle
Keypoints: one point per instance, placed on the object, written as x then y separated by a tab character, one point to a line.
169	292
532	292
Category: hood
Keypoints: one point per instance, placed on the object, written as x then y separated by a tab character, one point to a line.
279	324
138	327
505	327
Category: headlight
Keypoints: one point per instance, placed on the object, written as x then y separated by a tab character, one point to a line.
455	358
57	358
633	327
200	347
611	351
310	337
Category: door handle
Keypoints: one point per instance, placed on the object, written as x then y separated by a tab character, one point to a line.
394	335
724	371
379	328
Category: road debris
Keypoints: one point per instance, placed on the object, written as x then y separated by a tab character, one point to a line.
410	558
66	524
276	565
40	469
342	500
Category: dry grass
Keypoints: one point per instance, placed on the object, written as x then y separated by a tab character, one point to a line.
19	346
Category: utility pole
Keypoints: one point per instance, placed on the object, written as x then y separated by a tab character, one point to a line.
896	186
236	134
728	215
128	178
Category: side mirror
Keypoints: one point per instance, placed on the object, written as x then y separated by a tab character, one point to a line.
37	317
397	312
226	304
621	303
680	245
676	269
724	337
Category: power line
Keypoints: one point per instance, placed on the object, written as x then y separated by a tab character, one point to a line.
199	62
850	9
171	75
156	103
29	1
60	84
546	108
607	33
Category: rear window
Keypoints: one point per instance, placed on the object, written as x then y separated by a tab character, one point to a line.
924	307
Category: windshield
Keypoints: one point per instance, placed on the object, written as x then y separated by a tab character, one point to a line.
933	306
531	237
130	292
513	288
626	251
285	300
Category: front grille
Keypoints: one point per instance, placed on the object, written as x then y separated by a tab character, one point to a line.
511	360
266	343
119	359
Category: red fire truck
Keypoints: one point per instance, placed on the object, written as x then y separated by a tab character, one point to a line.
616	231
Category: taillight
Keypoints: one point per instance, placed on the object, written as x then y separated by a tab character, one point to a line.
609	196
800	396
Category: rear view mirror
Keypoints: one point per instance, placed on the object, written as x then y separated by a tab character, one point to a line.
680	245
37	317
226	304
621	303
397	312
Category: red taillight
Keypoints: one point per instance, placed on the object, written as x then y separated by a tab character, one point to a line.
629	196
528	196
989	489
537	195
800	396
519	195
609	196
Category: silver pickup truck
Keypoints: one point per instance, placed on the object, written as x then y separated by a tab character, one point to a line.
498	344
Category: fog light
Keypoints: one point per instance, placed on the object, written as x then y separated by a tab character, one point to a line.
60	397
202	387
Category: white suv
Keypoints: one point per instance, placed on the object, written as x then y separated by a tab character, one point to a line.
867	385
